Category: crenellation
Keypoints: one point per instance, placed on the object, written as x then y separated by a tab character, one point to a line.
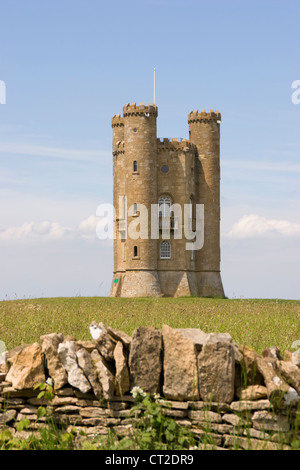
203	116
119	147
140	110
175	144
117	120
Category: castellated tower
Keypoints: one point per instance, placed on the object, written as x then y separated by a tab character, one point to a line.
152	179
204	132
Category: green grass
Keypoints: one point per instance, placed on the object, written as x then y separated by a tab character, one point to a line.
254	322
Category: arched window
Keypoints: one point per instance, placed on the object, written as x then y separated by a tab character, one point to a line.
135	251
135	166
164	205
165	250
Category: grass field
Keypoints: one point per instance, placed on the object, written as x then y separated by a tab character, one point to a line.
256	323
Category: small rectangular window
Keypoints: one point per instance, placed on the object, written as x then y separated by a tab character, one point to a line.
165	250
135	166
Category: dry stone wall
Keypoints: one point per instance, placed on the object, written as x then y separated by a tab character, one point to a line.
214	387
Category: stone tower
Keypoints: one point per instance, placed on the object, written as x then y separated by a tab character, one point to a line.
156	176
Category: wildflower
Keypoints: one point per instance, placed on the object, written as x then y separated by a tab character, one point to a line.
138	391
49	382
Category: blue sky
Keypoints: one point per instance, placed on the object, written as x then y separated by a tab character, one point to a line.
69	66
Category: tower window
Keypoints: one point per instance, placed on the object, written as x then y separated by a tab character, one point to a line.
135	251
135	209
135	166
165	250
164	206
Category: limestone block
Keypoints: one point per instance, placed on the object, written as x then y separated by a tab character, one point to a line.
118	335
197	336
273	351
254	392
266	421
249	364
12	354
216	366
145	359
247	443
205	415
103	341
234	419
122	372
250	405
85	362
105	376
67	354
27	369
7	416
55	368
278	390
180	364
291	374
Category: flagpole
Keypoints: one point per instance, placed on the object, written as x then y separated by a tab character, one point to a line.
154	85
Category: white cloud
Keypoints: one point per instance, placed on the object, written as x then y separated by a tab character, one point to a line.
255	226
51	231
35	231
87	227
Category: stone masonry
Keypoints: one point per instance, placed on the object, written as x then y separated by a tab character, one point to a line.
217	389
166	172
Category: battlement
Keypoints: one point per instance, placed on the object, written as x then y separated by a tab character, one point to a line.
117	120
175	144
140	110
119	148
203	116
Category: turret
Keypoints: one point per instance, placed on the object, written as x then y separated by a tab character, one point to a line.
137	181
204	132
141	179
117	124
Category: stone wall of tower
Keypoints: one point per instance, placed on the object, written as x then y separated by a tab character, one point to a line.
204	132
118	151
178	183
